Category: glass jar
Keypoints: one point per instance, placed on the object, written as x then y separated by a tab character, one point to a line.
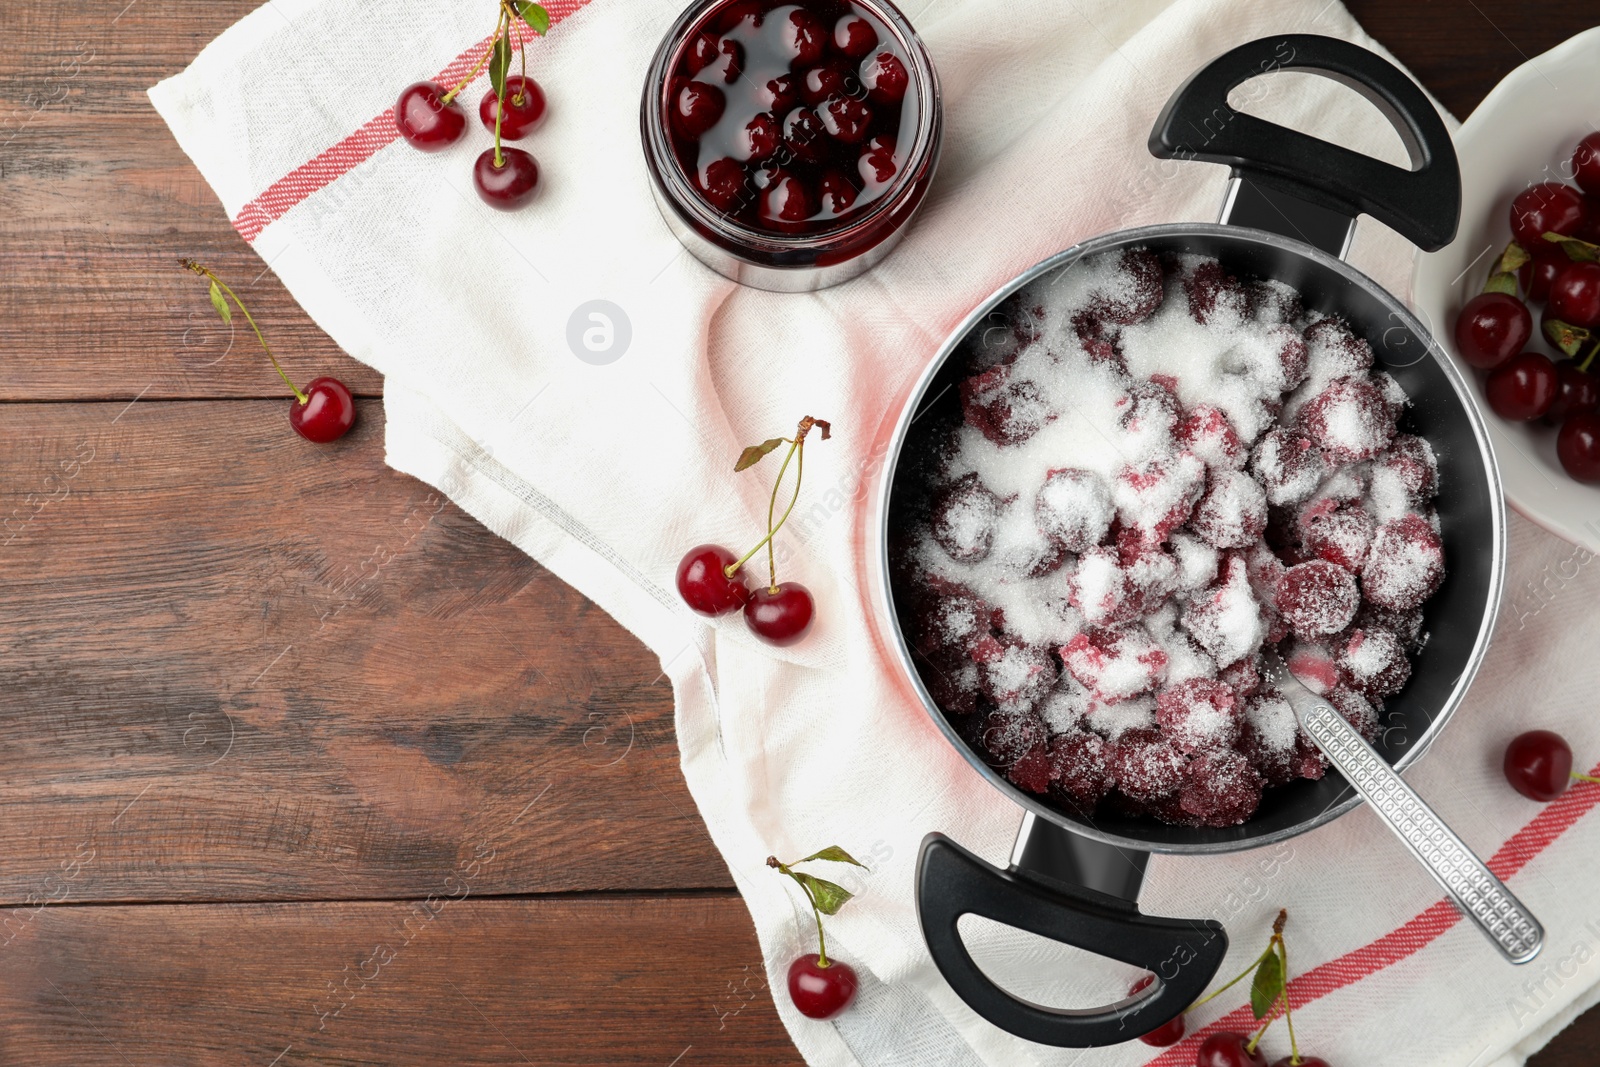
790	141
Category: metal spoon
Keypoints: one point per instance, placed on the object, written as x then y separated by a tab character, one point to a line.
1478	894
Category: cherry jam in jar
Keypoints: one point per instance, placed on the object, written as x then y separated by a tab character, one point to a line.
790	142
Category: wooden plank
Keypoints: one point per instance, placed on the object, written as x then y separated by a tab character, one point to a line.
241	666
97	204
648	981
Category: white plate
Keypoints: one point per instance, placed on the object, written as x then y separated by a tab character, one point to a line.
1523	132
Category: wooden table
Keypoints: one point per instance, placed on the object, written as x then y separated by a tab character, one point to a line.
301	765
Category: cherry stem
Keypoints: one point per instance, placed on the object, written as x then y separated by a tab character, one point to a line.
500	105
205	272
731	569
1288	1014
1261	1032
1590	357
816	912
475	71
1576	777
1241	977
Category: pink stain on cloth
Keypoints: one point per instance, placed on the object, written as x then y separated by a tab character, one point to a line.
606	464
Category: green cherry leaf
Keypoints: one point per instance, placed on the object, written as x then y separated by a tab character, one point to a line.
500	65
218	302
1567	338
834	854
537	18
1512	259
827	896
1501	282
1576	250
1267	986
753	455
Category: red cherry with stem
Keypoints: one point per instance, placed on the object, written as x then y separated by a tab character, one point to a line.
704	584
1575	294
697	107
1538	764
780	614
1303	1061
1492	328
1578	446
327	413
1536	275
1169	1032
1548	207
524	109
885	78
821	992
1229	1049
426	120
1576	390
509	184
1522	388
1586	164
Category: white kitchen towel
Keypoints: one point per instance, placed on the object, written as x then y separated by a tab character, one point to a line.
607	471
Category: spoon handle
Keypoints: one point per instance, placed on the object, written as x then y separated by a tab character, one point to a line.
1481	896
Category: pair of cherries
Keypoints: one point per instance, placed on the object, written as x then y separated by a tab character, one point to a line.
712	582
431	119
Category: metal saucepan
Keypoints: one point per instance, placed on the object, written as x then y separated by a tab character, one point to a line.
1289	215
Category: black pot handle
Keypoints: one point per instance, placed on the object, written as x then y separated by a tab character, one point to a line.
1423	203
1182	953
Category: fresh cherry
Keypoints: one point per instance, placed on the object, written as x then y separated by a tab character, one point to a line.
704	584
1492	328
1586	164
1522	388
821	992
1578	446
780	617
1228	1049
327	414
1575	294
425	120
1536	275
1538	765
510	185
523	112
1548	207
1576	390
1169	1032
